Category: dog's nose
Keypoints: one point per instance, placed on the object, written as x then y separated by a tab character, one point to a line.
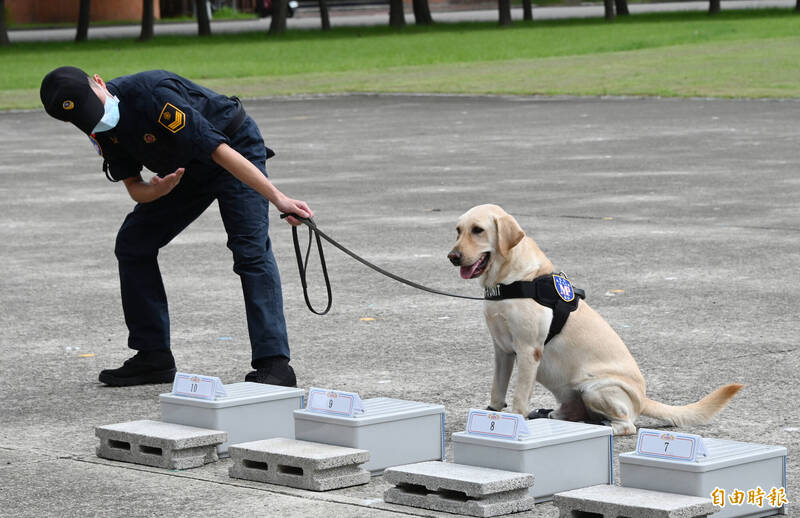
455	257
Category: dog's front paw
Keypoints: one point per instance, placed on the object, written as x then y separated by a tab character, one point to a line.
493	409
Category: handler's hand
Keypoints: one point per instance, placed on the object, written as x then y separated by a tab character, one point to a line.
290	206
166	184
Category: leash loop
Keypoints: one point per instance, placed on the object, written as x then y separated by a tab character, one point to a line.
302	264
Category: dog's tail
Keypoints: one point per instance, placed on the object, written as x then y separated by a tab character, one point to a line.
696	413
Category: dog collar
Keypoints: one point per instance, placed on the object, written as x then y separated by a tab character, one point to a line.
553	290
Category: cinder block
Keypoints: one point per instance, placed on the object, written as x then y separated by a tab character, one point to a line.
301	464
615	501
458	488
162	445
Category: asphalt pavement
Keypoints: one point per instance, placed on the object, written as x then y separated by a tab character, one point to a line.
679	218
309	19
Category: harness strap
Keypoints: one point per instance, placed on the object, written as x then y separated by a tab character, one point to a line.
544	291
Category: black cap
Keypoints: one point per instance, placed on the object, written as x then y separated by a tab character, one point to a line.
67	95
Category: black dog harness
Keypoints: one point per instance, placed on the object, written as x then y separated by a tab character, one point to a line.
553	291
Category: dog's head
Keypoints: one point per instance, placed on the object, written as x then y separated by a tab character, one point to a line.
486	234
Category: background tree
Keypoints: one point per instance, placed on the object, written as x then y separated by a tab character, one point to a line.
203	23
83	21
148	19
713	7
280	10
422	12
609	9
3	28
325	18
527	11
622	7
504	12
397	18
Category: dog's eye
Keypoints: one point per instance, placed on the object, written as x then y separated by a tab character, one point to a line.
477	230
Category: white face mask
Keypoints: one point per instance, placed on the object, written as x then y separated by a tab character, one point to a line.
111	115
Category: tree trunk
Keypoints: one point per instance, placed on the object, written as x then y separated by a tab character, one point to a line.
713	6
280	10
504	8
203	23
422	12
797	7
148	18
609	7
622	7
397	17
324	17
527	11
3	28
83	21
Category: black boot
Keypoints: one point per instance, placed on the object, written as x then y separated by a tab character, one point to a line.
274	370
145	368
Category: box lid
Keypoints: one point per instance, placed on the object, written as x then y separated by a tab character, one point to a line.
721	454
544	432
244	393
376	410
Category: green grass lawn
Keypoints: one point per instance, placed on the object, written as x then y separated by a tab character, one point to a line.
735	54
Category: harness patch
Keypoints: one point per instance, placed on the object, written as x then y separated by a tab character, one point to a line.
563	288
172	118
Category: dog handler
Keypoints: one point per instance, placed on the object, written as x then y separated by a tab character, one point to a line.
202	146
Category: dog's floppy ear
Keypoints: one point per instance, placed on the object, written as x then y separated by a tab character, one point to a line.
509	233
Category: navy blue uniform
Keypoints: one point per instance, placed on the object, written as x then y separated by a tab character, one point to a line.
167	122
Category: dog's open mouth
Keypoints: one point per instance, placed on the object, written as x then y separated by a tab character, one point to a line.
474	270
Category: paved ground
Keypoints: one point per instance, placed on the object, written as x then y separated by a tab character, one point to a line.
309	19
680	218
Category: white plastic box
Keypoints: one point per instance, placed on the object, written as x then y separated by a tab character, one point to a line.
561	455
730	465
395	431
249	412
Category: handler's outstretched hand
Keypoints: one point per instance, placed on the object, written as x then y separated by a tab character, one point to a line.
166	184
290	206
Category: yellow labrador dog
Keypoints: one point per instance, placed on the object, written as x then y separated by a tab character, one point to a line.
586	365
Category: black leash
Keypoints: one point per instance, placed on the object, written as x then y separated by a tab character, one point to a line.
302	264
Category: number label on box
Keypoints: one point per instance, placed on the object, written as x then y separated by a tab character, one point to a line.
667	445
334	402
499	425
197	386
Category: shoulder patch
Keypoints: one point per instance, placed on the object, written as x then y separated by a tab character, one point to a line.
563	288
96	145
172	118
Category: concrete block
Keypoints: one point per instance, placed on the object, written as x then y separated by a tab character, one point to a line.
615	501
458	488
162	445
301	464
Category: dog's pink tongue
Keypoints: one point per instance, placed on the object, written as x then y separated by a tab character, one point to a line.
467	271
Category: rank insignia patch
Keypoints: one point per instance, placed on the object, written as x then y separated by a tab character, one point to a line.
172	118
149	138
563	288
